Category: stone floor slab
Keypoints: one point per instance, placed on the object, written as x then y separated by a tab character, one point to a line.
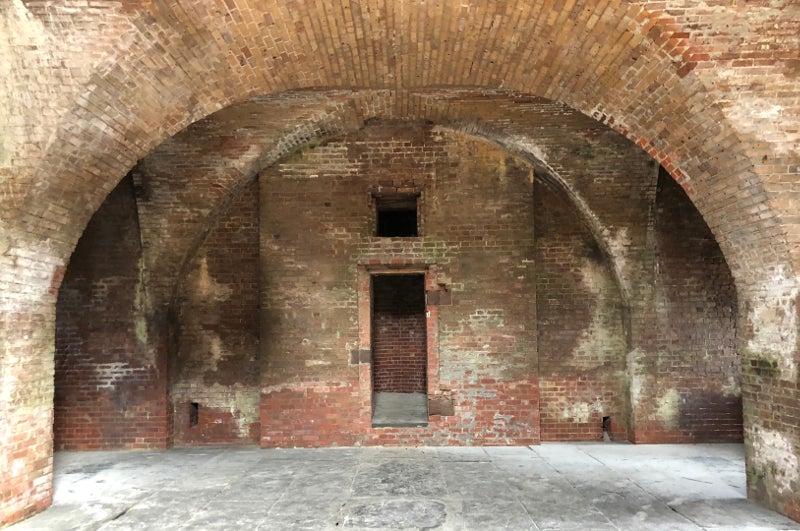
552	486
400	409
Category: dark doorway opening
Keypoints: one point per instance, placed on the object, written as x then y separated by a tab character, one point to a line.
399	350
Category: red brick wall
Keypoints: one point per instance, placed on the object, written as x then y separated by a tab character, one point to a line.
108	393
476	225
399	342
582	345
476	229
687	380
216	363
659	71
699	371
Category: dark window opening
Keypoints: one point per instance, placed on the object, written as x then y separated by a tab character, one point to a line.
194	414
397	216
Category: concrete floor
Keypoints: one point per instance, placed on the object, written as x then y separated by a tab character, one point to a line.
552	486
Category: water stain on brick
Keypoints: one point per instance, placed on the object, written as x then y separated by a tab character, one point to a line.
701	408
706	90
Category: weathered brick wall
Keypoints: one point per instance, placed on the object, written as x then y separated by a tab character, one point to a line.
309	220
709	88
699	369
767	396
476	228
684	374
108	394
216	361
487	337
582	338
582	344
399	341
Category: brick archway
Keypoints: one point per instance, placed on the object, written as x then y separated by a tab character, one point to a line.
645	89
148	71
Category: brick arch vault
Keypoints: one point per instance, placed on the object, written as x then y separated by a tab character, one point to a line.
89	90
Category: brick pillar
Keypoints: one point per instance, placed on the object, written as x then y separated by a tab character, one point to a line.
771	392
26	405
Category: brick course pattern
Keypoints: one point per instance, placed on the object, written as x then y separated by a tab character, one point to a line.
707	89
399	339
107	393
215	364
476	226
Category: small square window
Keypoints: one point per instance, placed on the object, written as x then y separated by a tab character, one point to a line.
396	216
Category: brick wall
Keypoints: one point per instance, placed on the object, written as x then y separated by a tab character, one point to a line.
108	394
215	365
399	341
709	89
699	369
582	344
476	230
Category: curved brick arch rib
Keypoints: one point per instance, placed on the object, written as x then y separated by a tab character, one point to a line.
304	134
628	70
551	176
340	115
316	130
186	182
640	91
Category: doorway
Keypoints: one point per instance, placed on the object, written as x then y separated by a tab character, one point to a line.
399	350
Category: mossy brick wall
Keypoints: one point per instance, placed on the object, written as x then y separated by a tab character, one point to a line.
215	364
686	386
108	393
